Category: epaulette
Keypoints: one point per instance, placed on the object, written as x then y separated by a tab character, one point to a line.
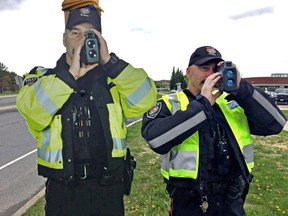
34	74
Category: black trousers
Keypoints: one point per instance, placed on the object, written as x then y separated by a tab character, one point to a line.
84	198
187	202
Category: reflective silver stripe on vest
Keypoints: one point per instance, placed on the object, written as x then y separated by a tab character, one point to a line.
44	153
174	102
269	107
164	159
119	144
44	99
248	153
139	94
180	160
178	130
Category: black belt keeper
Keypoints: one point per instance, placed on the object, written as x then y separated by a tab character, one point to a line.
85	170
236	189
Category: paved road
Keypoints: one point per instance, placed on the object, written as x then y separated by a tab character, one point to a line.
7	103
19	181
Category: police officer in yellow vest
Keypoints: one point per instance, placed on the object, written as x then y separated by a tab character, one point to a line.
203	137
77	112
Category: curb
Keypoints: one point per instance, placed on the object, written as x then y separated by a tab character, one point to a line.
7	96
286	126
30	203
6	108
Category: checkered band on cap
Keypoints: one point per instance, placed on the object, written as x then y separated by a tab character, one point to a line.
69	5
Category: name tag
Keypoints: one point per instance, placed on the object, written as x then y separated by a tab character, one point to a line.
232	105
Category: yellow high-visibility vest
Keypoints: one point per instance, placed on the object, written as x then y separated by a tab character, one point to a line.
182	161
133	93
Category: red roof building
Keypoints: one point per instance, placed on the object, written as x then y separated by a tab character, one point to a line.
269	83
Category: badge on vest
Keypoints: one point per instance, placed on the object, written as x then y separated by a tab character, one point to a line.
153	112
232	105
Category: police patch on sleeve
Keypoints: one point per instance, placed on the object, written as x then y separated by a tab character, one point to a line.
30	81
153	112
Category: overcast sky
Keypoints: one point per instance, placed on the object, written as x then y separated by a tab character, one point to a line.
154	34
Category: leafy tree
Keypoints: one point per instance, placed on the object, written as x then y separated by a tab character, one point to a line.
172	80
7	79
3	68
157	84
24	75
177	77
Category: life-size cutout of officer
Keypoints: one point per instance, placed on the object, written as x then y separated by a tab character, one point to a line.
204	139
77	112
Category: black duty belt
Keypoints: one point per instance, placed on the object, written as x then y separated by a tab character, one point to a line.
217	188
211	188
236	185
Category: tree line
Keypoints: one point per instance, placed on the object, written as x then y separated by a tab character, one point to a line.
7	80
178	77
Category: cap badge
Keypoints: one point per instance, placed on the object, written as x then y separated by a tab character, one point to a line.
211	51
85	11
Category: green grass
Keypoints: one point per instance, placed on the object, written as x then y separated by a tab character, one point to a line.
8	93
285	113
268	194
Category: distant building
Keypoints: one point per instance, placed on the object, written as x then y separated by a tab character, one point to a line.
277	80
279	75
162	84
